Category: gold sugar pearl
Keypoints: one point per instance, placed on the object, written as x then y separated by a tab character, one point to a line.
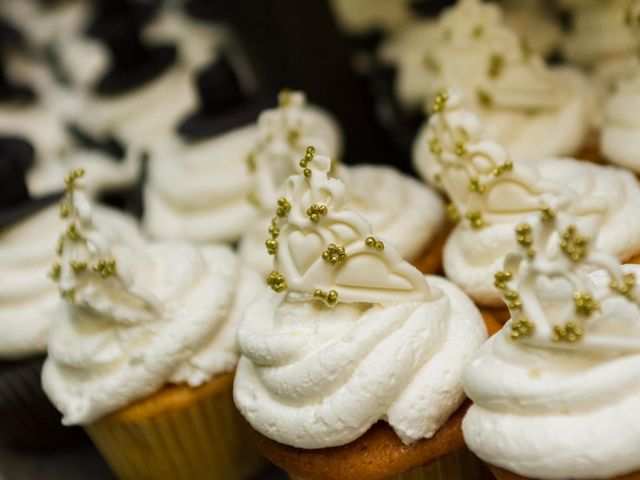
277	282
570	332
521	328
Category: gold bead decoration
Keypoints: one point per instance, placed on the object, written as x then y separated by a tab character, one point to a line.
496	65
251	162
293	136
585	303
77	266
72	176
547	212
569	332
501	278
72	232
484	98
452	211
272	246
476	186
54	273
65	209
627	287
60	245
373	242
475	220
277	282
512	299
440	101
334	254
523	237
574	245
68	295
330	298
460	149
315	211
434	146
284	207
105	267
502	169
522	328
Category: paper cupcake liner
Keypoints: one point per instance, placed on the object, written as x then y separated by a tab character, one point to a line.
203	436
461	465
430	260
27	417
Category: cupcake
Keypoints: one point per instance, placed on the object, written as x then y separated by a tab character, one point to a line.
197	183
554	392
598	39
142	350
29	300
491	193
144	91
533	109
412	219
354	370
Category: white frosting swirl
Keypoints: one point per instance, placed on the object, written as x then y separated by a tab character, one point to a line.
28	297
493	194
313	377
198	190
599	39
530	108
361	16
360	336
165	313
556	399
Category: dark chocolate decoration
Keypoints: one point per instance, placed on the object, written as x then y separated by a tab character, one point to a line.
133	63
211	10
108	144
223	106
430	8
10	91
16	156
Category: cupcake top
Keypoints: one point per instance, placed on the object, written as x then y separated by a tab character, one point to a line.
533	109
356	335
556	391
198	182
621	127
136	317
276	155
28	298
362	16
490	194
598	39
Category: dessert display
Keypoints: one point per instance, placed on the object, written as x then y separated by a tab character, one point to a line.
29	299
491	193
258	240
283	135
142	352
352	335
563	369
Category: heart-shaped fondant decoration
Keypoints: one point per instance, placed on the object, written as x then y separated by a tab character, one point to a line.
304	249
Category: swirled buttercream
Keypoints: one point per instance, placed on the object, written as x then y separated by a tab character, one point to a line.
490	194
137	318
360	335
555	392
534	110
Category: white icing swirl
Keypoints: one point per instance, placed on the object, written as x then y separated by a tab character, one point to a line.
198	190
28	297
473	171
361	16
571	387
313	377
530	108
164	313
360	336
599	39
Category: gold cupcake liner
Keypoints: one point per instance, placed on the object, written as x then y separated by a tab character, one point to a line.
461	465
179	433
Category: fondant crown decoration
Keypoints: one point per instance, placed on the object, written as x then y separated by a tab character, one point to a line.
283	134
487	60
325	251
484	185
87	272
552	299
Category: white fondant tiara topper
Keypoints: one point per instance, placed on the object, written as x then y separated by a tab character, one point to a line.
325	251
555	301
87	273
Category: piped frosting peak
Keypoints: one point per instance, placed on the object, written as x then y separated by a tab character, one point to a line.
477	173
554	301
87	273
325	251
